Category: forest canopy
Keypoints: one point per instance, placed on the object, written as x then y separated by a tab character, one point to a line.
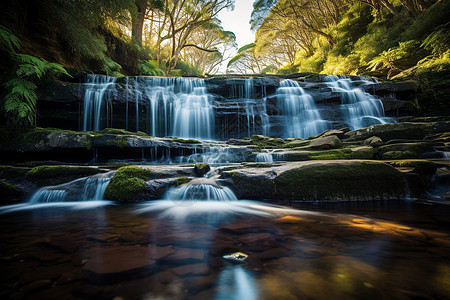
375	37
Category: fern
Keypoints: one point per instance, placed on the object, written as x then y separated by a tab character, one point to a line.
21	98
8	41
30	66
150	67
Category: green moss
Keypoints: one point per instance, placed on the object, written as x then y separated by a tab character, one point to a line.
116	131
202	168
188	141
405	150
127	184
43	172
121	141
350	181
421	167
344	153
181	180
297	143
88	144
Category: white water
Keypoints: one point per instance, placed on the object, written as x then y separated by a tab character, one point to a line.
178	107
93	189
182	107
360	109
264	157
200	192
301	116
98	94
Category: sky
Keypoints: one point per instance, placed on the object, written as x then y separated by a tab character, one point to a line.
237	21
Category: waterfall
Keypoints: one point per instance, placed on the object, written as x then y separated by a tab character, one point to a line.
264	157
46	194
177	106
360	109
200	192
81	189
301	116
95	187
98	94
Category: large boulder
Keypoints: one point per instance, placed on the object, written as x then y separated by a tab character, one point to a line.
405	130
317	180
327	142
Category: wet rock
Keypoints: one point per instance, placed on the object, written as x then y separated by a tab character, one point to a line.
186	254
327	142
338	133
405	130
107	265
318	180
192	269
403	150
202	168
373	141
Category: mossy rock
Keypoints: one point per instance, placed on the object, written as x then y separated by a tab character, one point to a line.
10	193
403	150
116	131
350	180
45	175
10	172
181	180
127	184
186	141
202	168
421	167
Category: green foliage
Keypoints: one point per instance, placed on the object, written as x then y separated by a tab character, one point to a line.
438	42
185	69
111	68
21	97
151	68
392	57
8	41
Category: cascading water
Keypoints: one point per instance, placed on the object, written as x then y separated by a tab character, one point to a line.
182	107
46	194
301	116
359	108
177	107
98	94
93	188
264	157
200	192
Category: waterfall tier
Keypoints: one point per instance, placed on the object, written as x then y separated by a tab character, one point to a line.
232	108
82	189
200	192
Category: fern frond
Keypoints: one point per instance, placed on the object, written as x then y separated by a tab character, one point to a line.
8	41
19	82
56	69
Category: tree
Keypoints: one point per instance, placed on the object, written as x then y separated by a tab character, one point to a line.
208	47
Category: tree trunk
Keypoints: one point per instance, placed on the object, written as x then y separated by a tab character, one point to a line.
138	23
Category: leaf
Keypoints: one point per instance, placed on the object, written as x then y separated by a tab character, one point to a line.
8	41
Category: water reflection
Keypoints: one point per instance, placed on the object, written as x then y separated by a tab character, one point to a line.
235	282
75	205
